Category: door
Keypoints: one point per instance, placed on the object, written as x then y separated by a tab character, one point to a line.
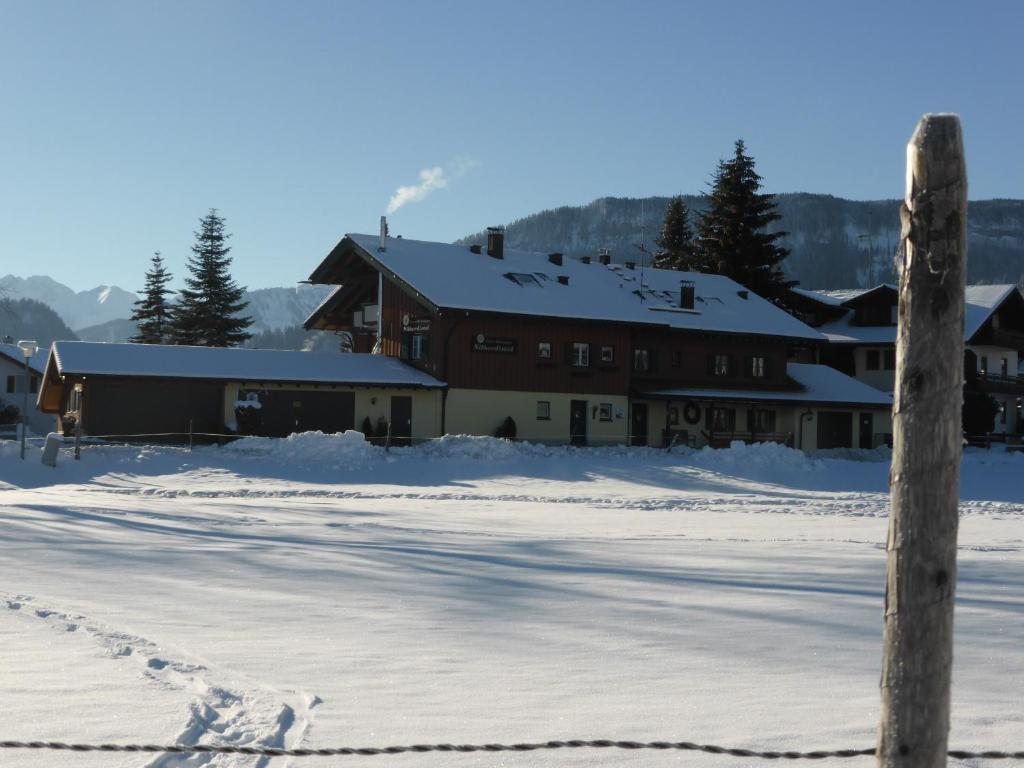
578	422
867	430
835	429
401	420
638	425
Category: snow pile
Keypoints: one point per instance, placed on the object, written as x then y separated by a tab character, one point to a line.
347	450
769	456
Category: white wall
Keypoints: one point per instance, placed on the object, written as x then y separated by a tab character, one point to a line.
38	422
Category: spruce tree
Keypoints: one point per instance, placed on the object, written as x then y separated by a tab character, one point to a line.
208	313
152	313
732	239
675	244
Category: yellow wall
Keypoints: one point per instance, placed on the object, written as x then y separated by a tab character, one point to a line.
372	402
481	412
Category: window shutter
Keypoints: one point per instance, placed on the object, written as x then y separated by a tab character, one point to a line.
768	367
10	383
590	354
568	352
652	360
426	346
711	365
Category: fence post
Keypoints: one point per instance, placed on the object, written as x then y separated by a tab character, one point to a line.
925	476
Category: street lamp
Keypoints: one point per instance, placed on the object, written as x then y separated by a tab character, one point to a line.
28	348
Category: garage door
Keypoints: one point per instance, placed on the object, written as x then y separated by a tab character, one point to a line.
137	406
835	429
286	411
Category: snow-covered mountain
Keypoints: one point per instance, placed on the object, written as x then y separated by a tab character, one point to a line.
101	314
78	309
274	309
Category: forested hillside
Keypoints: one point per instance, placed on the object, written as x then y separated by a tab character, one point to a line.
835	243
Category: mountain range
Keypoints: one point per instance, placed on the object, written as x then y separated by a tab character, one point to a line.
102	313
834	243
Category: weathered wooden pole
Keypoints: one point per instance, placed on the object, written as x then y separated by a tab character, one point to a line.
925	477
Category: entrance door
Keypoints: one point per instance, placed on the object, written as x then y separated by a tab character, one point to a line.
401	420
578	422
638	425
284	411
835	429
867	430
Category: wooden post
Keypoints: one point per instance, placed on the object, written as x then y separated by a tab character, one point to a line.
927	433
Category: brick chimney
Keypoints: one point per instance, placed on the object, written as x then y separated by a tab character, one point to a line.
496	242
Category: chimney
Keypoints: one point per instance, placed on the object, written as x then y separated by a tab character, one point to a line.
496	242
475	249
686	294
630	265
563	279
604	257
382	246
743	294
555	258
584	259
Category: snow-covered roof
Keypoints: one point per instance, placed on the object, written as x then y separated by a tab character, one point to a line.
818	384
36	363
980	302
234	364
526	283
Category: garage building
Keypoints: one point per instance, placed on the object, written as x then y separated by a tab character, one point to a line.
121	390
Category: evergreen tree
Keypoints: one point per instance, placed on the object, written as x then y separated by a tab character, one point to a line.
676	248
732	239
152	313
209	311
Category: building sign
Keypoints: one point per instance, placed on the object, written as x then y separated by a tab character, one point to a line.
411	324
483	343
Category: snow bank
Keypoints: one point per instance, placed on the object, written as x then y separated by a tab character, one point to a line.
346	450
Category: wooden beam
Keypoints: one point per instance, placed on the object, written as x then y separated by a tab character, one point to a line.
925	475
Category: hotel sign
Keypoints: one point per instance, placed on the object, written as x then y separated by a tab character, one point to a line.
483	343
411	324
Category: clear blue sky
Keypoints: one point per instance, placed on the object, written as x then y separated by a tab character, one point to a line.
123	122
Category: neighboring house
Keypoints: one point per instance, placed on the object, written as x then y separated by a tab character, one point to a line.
589	352
12	384
860	326
154	390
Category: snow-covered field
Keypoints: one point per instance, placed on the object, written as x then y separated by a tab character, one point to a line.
317	591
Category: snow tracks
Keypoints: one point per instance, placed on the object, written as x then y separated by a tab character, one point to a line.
237	714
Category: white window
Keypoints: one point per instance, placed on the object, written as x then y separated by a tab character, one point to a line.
419	346
544	350
543	410
604	411
607	354
721	365
757	367
580	355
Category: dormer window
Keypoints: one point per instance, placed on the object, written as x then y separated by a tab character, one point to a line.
525	279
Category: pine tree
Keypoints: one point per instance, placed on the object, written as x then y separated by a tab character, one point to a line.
676	248
152	313
732	239
209	311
